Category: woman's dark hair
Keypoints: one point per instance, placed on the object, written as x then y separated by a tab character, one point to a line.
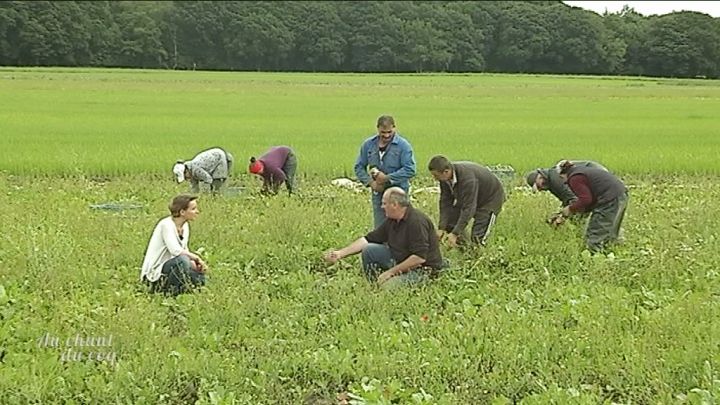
252	159
179	203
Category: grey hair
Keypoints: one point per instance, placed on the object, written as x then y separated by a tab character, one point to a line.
396	195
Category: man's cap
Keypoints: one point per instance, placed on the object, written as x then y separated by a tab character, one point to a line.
179	171
531	177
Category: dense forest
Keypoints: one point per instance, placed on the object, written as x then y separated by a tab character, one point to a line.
358	36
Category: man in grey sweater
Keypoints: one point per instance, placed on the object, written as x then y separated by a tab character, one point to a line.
467	191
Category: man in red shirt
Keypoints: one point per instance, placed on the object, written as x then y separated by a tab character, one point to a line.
599	192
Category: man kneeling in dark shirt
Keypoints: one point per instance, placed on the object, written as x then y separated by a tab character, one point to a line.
403	250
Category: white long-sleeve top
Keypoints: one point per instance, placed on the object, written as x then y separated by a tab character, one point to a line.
165	243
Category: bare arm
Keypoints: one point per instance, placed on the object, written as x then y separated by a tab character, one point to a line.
406	265
351	249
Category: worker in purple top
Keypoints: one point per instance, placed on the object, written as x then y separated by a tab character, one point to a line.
277	166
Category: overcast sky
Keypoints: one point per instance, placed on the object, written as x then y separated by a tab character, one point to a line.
650	7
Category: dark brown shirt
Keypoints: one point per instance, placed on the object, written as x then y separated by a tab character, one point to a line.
477	189
414	234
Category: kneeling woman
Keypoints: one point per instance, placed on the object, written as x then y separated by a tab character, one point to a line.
169	266
599	192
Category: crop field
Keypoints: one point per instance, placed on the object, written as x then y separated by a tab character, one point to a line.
532	318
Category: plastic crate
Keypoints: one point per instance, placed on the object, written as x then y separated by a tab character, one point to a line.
503	172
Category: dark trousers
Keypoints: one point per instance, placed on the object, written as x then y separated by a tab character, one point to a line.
216	185
483	222
604	225
177	277
378	212
289	168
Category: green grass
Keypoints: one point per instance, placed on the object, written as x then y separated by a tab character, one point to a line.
134	122
529	319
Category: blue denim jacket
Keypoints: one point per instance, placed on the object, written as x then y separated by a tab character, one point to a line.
398	161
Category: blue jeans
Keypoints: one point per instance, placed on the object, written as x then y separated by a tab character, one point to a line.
376	258
177	277
378	212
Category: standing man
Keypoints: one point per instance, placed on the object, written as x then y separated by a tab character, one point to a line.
467	190
210	168
277	166
386	159
549	180
402	250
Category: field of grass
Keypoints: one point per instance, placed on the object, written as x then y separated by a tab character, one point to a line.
532	318
123	122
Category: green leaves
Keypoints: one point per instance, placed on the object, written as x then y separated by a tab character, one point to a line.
529	318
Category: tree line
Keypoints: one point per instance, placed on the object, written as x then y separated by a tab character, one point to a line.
358	36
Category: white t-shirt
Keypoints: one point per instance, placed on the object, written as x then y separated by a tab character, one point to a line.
165	243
